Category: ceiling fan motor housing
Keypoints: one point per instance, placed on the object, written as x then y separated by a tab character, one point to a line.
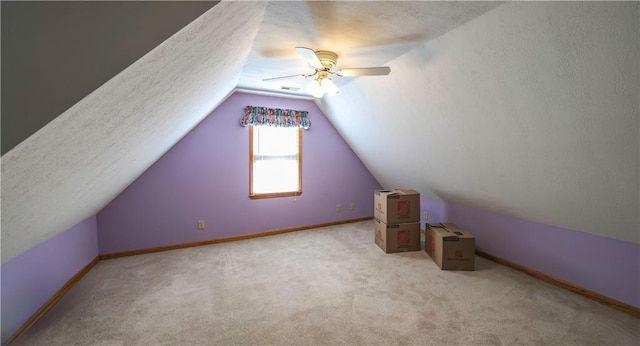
327	58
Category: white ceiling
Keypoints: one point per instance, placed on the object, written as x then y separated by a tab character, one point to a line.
363	34
531	110
71	168
524	109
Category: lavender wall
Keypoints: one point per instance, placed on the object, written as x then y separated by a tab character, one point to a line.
603	265
205	176
32	278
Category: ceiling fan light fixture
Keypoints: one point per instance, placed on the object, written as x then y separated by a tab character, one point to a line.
315	89
328	87
321	86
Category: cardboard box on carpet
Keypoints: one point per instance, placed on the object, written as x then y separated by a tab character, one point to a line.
397	206
450	247
398	237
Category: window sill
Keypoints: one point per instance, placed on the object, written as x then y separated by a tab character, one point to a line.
276	195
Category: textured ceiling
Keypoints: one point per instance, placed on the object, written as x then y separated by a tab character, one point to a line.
530	110
363	34
524	109
60	51
71	168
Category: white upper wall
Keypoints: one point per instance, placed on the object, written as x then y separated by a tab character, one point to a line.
530	110
71	168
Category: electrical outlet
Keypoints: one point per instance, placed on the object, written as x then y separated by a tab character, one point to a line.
352	206
425	215
338	207
200	224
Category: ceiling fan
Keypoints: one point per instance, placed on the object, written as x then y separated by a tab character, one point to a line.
324	64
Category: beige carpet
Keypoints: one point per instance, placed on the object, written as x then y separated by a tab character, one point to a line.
327	286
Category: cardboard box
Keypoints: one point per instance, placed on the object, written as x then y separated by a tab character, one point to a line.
398	237
450	247
397	206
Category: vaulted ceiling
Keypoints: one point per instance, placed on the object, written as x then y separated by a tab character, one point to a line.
523	109
59	52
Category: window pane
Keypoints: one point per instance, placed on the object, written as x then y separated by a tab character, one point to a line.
276	141
275	176
275	160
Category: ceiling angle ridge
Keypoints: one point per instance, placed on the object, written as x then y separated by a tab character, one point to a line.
275	93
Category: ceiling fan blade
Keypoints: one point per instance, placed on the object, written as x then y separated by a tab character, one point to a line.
284	77
309	56
364	71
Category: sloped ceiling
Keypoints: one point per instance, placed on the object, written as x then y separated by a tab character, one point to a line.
530	110
71	168
60	51
524	109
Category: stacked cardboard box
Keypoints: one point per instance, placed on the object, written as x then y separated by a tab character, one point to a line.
397	214
450	247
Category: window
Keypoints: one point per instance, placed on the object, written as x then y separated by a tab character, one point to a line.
275	168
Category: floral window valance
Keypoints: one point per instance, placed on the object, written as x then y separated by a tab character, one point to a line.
263	116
